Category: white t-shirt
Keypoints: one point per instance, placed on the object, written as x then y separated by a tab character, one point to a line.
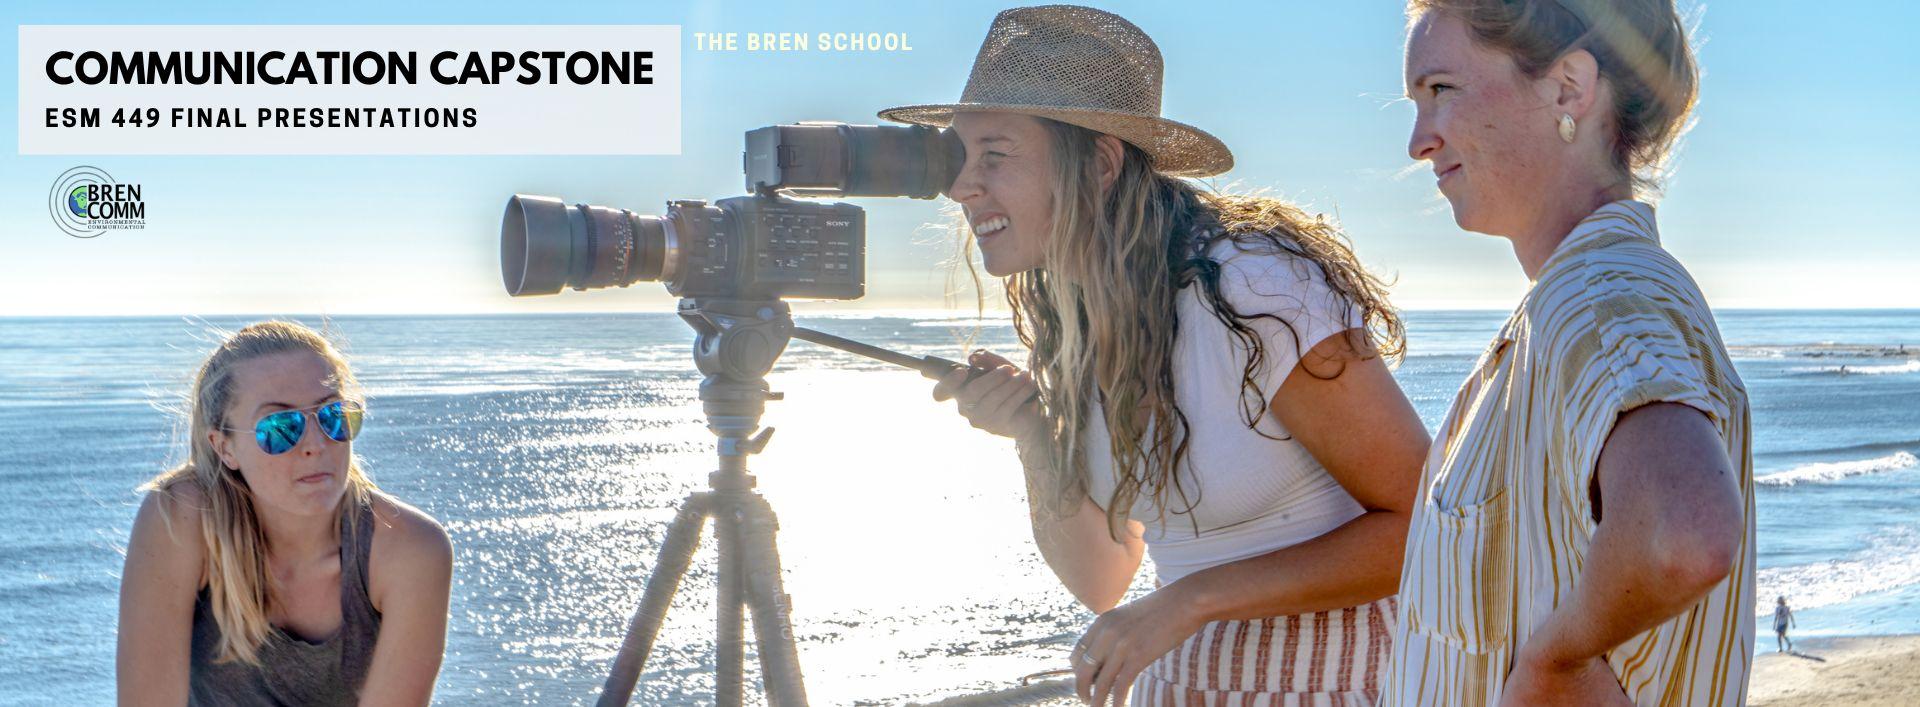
1251	494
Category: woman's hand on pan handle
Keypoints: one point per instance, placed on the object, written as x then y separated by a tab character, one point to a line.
1076	543
994	395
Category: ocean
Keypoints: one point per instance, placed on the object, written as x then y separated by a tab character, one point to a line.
555	449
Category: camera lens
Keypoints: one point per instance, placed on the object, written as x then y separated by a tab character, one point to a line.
547	244
535	244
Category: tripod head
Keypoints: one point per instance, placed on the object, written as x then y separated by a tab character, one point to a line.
736	343
737	339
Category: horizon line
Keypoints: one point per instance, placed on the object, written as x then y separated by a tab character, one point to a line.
903	312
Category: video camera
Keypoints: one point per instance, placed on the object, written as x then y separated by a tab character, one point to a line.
731	263
764	245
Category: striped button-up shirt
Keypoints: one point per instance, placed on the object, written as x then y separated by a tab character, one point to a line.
1503	522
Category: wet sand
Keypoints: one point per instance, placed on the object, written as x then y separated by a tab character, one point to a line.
1878	671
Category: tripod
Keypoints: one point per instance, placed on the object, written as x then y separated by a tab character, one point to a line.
736	345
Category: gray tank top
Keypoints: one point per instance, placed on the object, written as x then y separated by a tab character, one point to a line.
293	671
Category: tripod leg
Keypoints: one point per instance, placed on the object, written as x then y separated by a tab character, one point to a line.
730	653
676	552
772	608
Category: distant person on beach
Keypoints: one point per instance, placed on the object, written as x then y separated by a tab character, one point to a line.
1205	381
268	569
1585	530
1782	620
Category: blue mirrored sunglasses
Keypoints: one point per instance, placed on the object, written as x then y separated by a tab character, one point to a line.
278	432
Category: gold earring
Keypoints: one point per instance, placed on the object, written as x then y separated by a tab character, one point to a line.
1566	127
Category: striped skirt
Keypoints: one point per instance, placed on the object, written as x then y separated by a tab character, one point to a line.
1325	658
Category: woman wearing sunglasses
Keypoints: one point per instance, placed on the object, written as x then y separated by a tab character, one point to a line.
268	569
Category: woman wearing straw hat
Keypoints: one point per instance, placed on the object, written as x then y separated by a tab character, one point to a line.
1205	380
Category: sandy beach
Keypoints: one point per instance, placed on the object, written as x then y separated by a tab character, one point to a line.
1858	672
1874	671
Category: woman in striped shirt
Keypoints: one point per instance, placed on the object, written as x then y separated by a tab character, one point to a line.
1584	529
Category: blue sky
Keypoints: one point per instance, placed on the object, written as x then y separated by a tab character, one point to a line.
1792	191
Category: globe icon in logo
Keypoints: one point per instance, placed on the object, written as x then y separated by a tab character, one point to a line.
80	209
77	201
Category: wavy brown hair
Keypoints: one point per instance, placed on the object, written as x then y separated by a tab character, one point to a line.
1100	319
1642	49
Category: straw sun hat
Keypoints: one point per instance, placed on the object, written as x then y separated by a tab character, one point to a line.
1082	66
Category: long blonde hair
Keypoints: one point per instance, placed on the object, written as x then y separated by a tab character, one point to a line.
1100	318
241	590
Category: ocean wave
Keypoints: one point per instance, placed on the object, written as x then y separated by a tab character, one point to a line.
800	315
428	391
1835	471
1912	366
989	321
1892	562
1851	450
1822	350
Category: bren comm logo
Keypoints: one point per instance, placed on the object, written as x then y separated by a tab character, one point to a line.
86	202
